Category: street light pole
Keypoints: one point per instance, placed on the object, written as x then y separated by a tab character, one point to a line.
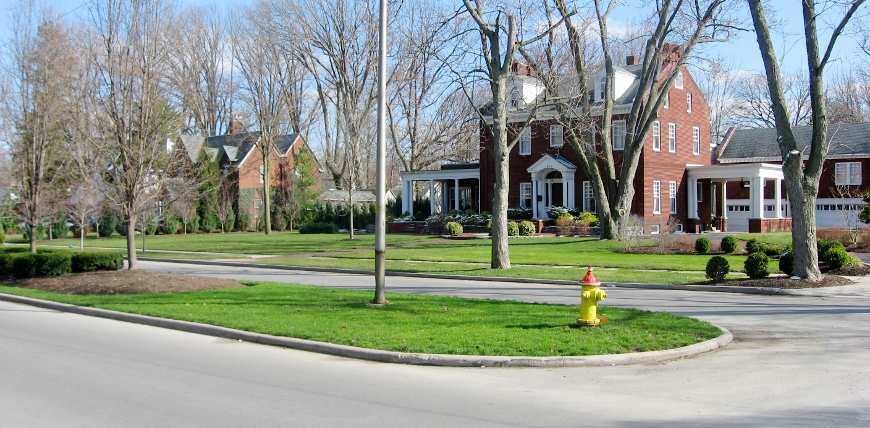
380	211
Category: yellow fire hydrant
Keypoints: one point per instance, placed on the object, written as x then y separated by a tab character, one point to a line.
590	297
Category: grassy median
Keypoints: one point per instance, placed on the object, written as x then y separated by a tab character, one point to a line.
412	323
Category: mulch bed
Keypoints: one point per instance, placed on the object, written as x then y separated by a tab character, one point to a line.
122	282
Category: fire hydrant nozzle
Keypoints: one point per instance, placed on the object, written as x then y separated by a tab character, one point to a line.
590	297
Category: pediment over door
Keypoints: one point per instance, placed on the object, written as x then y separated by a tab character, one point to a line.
550	162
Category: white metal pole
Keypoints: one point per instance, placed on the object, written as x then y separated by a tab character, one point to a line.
380	214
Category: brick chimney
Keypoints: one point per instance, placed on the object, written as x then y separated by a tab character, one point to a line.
631	60
523	70
236	126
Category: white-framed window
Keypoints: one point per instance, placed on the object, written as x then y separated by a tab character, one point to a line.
657	197
655	229
668	100
672	137
680	227
689	102
672	193
262	173
602	85
847	173
556	136
696	141
699	192
588	198
526	195
678	83
258	207
526	142
657	136
617	134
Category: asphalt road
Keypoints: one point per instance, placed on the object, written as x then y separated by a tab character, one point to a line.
796	361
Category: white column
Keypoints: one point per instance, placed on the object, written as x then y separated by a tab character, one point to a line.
456	194
777	197
756	197
568	187
693	199
724	199
534	198
432	196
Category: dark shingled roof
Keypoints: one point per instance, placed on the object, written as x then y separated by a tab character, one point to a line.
245	141
846	139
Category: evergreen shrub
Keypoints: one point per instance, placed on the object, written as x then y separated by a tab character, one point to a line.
729	244
39	265
756	265
453	228
526	228
753	246
107	225
312	228
702	245
90	262
786	263
717	268
836	257
513	228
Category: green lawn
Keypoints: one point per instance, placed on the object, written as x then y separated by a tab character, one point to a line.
277	243
776	238
517	271
413	323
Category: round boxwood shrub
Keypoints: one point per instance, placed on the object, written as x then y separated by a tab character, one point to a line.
318	228
836	257
756	265
823	245
90	262
45	264
753	246
453	228
717	268
702	245
513	228
526	228
786	262
729	244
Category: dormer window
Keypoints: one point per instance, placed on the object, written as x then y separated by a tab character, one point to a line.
601	88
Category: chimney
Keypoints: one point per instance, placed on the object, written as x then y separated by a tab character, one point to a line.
523	70
631	60
236	126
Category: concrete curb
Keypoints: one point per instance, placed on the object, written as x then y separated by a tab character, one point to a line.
713	288
386	356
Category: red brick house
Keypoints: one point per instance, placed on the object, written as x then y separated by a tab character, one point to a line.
840	188
241	162
545	171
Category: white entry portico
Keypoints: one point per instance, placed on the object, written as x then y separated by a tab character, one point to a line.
755	176
456	187
552	184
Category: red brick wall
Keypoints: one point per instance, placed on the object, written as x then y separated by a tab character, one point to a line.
654	165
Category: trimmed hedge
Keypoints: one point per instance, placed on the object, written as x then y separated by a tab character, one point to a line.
717	268
729	244
91	262
453	228
37	265
702	245
756	265
318	228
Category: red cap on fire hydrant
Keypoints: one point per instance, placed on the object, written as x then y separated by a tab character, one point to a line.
590	279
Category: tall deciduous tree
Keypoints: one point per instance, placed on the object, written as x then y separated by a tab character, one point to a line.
132	57
40	62
802	176
500	39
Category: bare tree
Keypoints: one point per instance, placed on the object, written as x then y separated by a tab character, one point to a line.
848	99
132	58
676	29
39	62
801	176
265	68
753	108
717	81
200	70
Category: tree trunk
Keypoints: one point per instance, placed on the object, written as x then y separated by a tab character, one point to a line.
267	214
32	239
500	248
131	243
